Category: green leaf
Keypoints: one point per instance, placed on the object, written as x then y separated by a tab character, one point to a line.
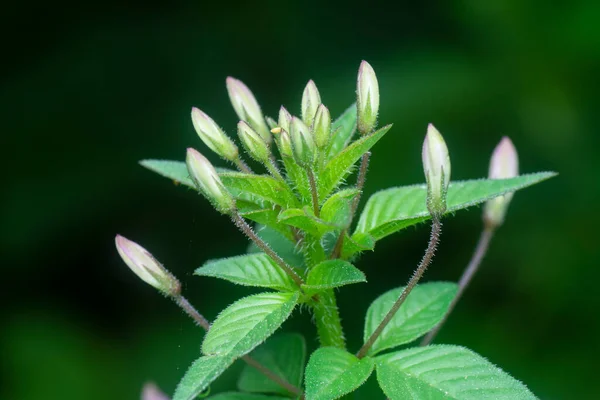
297	178
175	170
343	129
280	244
256	269
332	373
247	323
201	373
258	188
441	372
424	307
245	396
336	210
358	243
333	273
306	220
284	355
393	209
341	165
267	217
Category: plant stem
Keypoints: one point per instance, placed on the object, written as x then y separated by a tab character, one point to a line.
327	319
241	165
480	250
273	169
247	229
436	228
203	322
313	190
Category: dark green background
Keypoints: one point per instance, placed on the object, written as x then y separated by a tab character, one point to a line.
89	89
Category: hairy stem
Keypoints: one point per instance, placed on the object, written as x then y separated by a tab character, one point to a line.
242	166
465	279
327	319
313	190
436	228
271	166
248	231
203	322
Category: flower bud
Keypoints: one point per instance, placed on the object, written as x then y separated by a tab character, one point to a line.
152	392
504	164
310	101
436	164
253	143
303	142
145	266
285	144
285	119
208	182
367	98
322	126
213	136
247	108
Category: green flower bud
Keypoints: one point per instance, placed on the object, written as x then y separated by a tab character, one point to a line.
208	182
367	98
253	143
322	126
213	136
310	101
436	164
247	108
285	119
504	164
285	144
145	266
302	141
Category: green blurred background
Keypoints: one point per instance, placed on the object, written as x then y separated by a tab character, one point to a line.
88	89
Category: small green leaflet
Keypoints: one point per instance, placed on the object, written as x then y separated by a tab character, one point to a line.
424	307
280	244
336	210
442	372
244	396
305	219
247	323
342	130
284	355
332	373
332	273
175	170
201	373
394	209
256	269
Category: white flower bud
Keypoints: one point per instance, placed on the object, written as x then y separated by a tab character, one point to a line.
247	108
504	164
322	126
310	101
302	141
145	266
208	182
253	143
436	164
152	392
285	119
213	136
367	98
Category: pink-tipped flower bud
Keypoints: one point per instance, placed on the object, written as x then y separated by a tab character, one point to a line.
213	136
253	143
247	108
322	126
208	182
367	98
145	266
285	119
152	392
504	164
436	164
302	141
310	101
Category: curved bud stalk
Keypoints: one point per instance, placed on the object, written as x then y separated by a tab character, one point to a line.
285	119
503	164
322	127
367	98
310	101
146	267
208	182
302	141
436	164
253	143
213	136
247	108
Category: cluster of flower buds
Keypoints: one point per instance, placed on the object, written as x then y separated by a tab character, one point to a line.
436	164
504	164
145	266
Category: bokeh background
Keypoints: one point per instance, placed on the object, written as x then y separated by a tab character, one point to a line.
89	88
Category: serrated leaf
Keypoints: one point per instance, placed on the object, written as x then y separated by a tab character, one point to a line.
393	209
332	373
441	372
342	130
305	219
175	170
248	322
258	189
424	307
201	373
284	355
336	209
358	243
245	396
256	269
333	273
280	244
341	165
